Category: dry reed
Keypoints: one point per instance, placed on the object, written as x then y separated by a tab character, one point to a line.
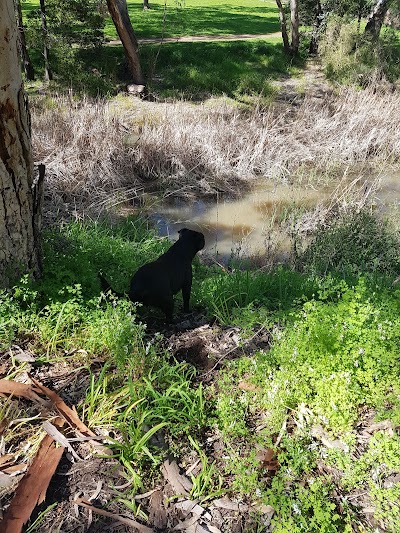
109	150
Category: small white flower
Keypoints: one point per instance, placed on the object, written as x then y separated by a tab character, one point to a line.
296	509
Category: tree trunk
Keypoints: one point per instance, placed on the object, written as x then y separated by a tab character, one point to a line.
19	251
146	4
282	18
294	19
119	13
47	70
26	60
313	49
376	18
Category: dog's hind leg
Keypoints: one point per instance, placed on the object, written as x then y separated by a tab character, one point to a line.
167	306
186	290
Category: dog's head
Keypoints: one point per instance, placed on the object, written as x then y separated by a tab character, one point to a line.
194	236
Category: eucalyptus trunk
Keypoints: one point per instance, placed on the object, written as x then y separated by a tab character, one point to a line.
294	21
376	18
20	197
120	16
26	60
282	19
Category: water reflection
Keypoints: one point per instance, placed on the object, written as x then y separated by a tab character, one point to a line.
232	225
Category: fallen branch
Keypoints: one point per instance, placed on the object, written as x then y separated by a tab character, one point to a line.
127	521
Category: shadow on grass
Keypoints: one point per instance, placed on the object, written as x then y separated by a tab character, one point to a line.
192	71
199	70
223	19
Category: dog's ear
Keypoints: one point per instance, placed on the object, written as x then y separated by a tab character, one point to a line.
182	231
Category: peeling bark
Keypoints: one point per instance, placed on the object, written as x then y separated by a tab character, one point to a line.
19	251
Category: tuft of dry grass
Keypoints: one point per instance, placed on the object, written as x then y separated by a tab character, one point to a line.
99	152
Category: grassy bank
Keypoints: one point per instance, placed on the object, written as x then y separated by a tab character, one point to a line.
287	405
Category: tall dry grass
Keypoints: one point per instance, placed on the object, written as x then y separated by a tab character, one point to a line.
108	151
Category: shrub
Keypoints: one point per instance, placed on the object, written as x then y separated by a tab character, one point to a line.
350	57
353	243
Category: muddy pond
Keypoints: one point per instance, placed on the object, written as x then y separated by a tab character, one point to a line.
243	227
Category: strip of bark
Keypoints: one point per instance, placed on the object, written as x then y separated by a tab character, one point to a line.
32	489
66	412
20	390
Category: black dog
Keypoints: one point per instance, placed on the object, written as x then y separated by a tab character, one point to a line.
156	283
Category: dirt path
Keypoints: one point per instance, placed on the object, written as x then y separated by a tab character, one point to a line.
201	38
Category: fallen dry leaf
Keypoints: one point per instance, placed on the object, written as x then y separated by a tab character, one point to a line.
268	460
319	433
180	484
249	387
157	512
6	481
14	469
226	503
6	460
32	487
188	506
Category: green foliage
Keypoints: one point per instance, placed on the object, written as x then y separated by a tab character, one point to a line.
305	508
244	297
335	356
174	400
354	243
208	482
70	24
200	17
345	354
350	57
75	253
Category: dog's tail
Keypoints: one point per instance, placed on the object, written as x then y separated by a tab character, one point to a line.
106	287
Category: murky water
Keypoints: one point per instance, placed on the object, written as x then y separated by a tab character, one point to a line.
242	226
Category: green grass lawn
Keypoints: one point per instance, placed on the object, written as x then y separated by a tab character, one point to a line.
195	17
196	70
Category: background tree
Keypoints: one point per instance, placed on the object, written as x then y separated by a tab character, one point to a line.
57	26
120	16
26	60
48	75
19	216
376	18
290	47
